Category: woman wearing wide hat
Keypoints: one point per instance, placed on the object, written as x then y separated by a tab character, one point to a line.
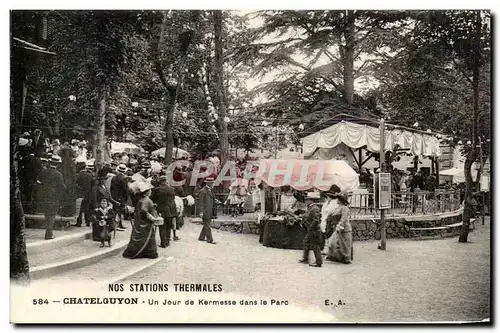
340	249
142	240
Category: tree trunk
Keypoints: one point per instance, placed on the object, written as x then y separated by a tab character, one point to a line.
219	79
185	39
169	126
101	127
19	266
348	57
472	155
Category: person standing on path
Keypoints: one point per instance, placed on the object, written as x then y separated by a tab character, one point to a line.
119	192
84	183
207	200
327	209
142	242
52	190
314	238
164	197
340	249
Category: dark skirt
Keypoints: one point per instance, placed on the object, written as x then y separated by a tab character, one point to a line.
142	242
97	230
340	248
313	239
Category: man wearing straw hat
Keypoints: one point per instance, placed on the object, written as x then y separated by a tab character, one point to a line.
52	190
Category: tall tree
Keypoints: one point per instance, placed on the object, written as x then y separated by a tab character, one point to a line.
24	59
455	44
320	56
181	43
219	83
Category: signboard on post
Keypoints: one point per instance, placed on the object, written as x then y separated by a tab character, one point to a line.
383	190
485	183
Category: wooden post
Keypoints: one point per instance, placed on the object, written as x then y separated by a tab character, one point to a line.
382	169
437	170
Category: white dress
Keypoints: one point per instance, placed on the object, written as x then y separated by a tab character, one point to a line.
328	208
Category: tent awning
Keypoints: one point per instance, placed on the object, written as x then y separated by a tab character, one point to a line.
458	173
306	174
124	147
177	152
359	135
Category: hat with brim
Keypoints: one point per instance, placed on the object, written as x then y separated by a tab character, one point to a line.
343	197
313	195
332	192
299	195
122	168
55	159
144	187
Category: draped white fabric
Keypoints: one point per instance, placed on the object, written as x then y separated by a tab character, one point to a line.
305	174
458	173
356	136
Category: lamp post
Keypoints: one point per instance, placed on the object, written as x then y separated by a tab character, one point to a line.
382	169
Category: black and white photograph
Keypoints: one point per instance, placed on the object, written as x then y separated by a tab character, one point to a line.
201	166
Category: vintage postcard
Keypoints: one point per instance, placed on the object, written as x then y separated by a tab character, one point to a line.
250	166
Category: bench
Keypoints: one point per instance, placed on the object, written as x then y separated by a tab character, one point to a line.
441	228
64	221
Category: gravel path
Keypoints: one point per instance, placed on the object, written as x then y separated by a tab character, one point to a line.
424	280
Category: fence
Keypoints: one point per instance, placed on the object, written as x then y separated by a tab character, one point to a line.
407	203
362	205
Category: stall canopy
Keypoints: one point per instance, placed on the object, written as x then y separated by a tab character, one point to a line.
124	147
359	135
306	174
177	153
458	173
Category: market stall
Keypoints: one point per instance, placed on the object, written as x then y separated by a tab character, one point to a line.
282	227
176	153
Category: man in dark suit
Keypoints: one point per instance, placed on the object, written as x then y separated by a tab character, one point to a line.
164	197
119	192
84	184
52	191
38	143
31	167
207	201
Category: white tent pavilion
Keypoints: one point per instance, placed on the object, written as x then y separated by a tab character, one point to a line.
306	174
177	153
124	147
357	136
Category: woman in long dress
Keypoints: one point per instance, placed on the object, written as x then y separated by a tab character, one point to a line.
142	242
340	247
327	209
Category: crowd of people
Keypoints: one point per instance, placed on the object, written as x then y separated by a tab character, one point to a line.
55	178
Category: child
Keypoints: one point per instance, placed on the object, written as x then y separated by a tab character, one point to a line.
314	238
104	221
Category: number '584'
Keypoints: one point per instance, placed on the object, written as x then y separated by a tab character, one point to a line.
40	301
